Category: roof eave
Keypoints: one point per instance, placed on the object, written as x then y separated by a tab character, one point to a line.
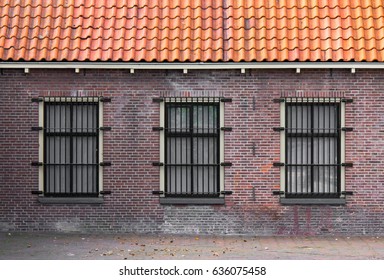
191	66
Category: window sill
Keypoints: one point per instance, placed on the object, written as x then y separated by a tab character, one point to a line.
71	200
191	201
313	201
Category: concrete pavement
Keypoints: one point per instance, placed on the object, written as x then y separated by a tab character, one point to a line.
60	246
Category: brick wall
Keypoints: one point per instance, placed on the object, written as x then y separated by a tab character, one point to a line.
252	147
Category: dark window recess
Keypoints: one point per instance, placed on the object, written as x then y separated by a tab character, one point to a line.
312	138
71	140
192	148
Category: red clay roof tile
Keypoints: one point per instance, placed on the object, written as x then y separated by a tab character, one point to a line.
199	30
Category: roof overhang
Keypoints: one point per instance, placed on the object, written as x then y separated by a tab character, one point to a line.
192	66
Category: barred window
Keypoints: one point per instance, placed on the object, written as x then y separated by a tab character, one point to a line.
312	150
192	149
71	145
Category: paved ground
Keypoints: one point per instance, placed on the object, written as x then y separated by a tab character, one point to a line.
60	246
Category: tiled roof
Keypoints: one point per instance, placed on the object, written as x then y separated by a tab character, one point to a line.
191	30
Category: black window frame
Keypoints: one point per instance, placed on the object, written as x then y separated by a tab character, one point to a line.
311	135
191	135
71	134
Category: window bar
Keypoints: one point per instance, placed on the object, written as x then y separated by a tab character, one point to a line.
54	147
209	150
47	148
81	129
203	151
166	140
318	149
218	141
302	147
330	108
172	170
181	147
312	108
175	169
324	153
65	145
60	147
296	148
191	130
86	145
71	156
289	151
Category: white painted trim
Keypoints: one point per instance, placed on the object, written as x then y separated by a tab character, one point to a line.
222	150
162	148
282	147
342	148
101	147
192	66
41	146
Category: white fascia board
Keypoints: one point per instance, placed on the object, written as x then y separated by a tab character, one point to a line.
192	66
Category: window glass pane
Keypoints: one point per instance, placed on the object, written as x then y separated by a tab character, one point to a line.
58	178
84	179
205	150
325	179
204	119
84	150
179	180
299	179
84	118
58	118
178	150
299	150
179	177
325	118
325	150
299	118
205	179
178	119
